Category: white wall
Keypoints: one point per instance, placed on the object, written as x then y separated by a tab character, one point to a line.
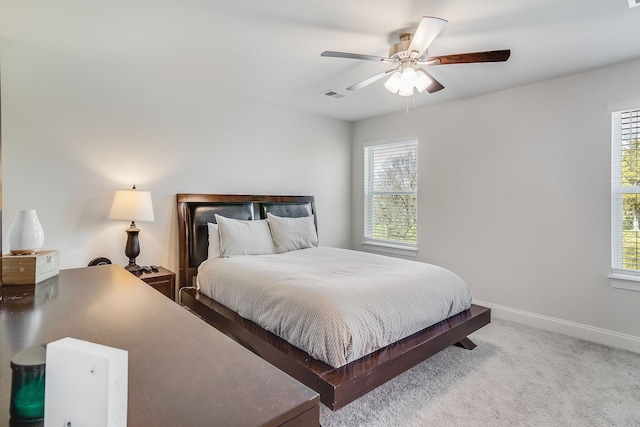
74	131
514	196
514	186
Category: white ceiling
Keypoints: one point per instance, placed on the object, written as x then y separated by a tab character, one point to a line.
270	50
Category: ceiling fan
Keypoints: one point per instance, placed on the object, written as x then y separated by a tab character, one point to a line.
409	55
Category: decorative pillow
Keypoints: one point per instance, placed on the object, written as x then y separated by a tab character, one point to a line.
290	234
214	241
244	237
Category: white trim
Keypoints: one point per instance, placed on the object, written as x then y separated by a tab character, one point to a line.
623	106
391	140
625	279
389	248
616	191
577	330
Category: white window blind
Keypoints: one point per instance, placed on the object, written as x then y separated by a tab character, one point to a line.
625	192
390	193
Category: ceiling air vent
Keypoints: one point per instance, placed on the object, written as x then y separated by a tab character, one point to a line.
634	3
335	94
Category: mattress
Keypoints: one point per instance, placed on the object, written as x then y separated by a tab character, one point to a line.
335	304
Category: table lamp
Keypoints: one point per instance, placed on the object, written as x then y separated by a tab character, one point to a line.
132	205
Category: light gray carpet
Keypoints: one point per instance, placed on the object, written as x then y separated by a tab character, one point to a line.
517	376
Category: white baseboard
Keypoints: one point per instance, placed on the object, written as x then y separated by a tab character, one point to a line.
577	330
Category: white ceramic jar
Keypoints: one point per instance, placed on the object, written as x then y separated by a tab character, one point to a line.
26	235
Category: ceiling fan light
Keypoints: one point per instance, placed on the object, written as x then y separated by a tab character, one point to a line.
422	81
393	83
409	75
406	89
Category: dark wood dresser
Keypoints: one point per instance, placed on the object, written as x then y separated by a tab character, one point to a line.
181	370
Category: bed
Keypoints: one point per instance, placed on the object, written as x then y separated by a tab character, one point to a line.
337	381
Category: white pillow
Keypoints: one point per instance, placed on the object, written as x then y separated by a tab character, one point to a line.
290	234
244	237
214	241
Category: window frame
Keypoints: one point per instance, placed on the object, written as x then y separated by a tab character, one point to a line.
620	277
376	244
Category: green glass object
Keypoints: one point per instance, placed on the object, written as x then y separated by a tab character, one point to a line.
27	384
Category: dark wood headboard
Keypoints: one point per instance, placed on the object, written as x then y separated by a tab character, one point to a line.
196	210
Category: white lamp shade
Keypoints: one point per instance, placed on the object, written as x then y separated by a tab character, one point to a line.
132	205
422	81
409	75
393	83
406	89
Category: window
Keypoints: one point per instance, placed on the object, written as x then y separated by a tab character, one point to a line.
625	194
390	193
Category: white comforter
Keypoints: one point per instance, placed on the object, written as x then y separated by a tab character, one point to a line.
337	305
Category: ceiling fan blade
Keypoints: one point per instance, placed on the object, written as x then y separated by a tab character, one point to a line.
467	58
355	56
367	82
427	31
435	85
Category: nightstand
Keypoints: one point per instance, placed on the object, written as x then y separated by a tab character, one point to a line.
163	280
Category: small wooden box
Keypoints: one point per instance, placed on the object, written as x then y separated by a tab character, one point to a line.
29	269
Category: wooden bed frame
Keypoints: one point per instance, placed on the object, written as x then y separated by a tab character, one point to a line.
337	386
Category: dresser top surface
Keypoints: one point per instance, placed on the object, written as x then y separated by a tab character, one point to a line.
180	368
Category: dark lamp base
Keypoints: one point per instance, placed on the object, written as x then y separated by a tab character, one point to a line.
132	248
